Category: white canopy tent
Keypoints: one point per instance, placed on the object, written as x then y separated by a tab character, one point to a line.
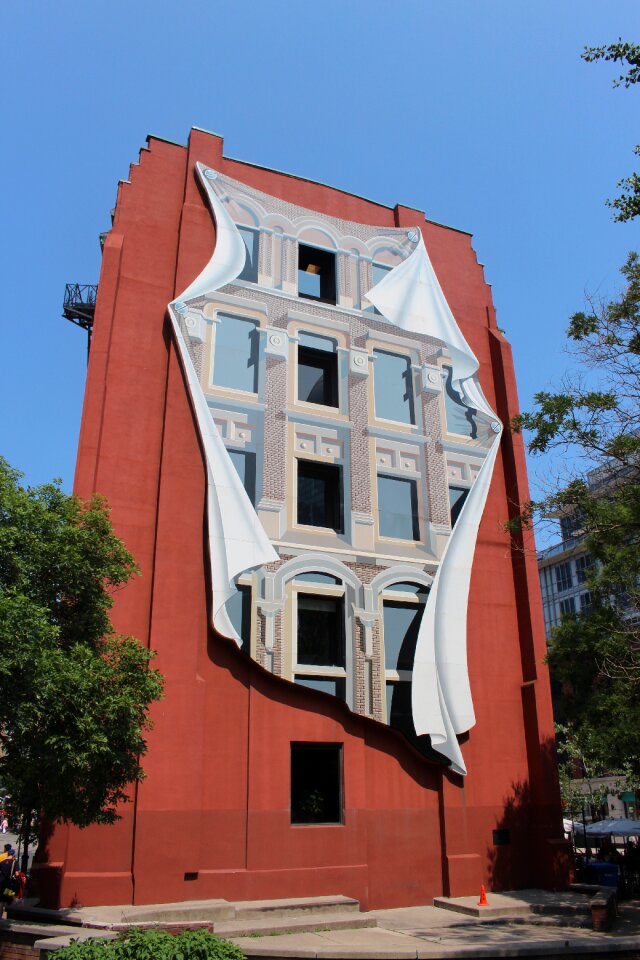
614	826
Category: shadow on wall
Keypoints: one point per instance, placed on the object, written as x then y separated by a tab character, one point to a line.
528	845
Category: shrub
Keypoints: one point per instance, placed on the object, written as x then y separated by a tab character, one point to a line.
152	945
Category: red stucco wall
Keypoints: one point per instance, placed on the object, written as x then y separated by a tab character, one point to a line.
216	799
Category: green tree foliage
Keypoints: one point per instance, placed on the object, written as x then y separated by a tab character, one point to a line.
627	205
152	945
74	694
596	654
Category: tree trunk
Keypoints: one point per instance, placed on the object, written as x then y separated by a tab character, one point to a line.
25	831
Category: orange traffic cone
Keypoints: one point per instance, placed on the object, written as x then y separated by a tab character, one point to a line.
483	902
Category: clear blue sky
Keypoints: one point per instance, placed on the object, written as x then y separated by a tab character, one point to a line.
480	113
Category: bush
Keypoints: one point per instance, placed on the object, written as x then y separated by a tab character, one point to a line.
152	945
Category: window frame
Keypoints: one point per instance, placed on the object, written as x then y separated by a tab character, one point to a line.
410	425
321	671
391	677
333	381
255	232
318	746
221	389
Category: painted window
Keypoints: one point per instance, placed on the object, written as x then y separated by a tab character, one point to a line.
250	238
457	497
398	508
461	419
320	631
245	464
239	611
320	495
402	608
316	783
316	274
317	370
393	387
378	271
235	362
564	578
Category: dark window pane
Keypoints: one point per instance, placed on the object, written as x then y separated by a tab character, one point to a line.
245	464
457	497
316	783
250	240
236	354
393	387
321	631
398	508
401	624
461	419
239	611
333	685
320	495
317	375
316	274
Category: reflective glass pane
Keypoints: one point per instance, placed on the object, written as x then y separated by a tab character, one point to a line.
250	240
239	611
457	497
399	707
393	388
401	623
321	630
398	508
245	464
315	577
236	354
460	418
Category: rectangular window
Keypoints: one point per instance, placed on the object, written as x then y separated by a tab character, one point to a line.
393	387
586	602
317	370
564	579
320	495
567	606
250	239
460	418
316	274
236	354
398	508
457	497
401	622
245	464
239	611
320	633
583	565
399	713
316	783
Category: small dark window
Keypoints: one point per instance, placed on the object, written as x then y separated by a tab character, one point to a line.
320	630
398	508
250	239
317	370
399	715
461	419
239	612
320	495
316	274
245	464
316	783
457	497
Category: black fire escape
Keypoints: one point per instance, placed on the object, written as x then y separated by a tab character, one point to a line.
80	306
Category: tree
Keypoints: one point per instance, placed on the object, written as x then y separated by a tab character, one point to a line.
74	694
596	654
627	205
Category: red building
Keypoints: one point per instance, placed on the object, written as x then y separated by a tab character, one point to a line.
349	725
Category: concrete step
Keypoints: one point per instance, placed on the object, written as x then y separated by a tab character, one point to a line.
267	926
294	906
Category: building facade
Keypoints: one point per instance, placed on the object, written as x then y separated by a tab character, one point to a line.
294	405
